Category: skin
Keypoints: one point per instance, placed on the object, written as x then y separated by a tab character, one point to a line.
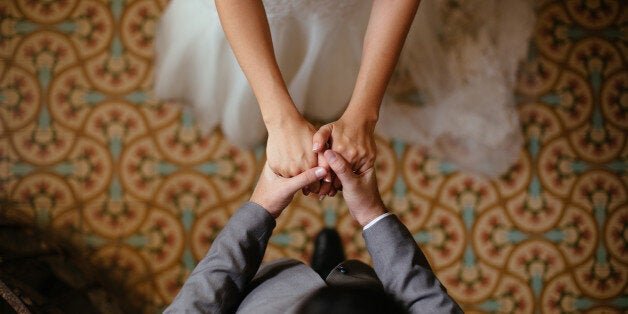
361	194
360	191
293	144
274	192
352	134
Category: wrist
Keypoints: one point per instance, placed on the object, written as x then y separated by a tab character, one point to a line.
365	217
362	114
282	118
266	204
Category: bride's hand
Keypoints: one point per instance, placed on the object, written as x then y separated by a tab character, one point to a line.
351	137
289	150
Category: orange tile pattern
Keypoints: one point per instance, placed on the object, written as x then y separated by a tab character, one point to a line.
85	149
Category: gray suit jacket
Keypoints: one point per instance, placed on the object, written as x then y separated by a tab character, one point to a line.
229	278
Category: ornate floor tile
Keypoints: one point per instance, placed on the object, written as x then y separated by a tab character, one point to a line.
88	151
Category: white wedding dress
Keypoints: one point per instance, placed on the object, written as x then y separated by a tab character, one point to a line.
452	92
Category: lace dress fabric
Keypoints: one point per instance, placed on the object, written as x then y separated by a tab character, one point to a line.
462	58
453	91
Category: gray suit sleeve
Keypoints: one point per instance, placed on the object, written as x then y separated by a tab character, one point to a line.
218	282
404	270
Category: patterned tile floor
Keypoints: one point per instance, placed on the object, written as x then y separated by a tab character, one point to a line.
86	151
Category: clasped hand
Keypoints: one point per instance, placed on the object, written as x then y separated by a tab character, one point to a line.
361	194
296	146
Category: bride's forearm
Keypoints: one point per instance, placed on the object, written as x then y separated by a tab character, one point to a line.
386	32
246	26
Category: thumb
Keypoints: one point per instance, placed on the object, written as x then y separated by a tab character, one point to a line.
305	178
339	165
320	138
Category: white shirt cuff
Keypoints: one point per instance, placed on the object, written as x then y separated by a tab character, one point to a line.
374	221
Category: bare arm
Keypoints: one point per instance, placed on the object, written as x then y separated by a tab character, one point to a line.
288	150
352	134
385	35
246	27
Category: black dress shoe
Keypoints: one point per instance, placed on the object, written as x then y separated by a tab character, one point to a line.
328	252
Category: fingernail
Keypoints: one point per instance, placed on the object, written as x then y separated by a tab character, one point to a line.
330	155
316	146
320	172
321	197
327	179
332	193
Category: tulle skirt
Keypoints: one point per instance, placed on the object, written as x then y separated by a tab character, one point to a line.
452	92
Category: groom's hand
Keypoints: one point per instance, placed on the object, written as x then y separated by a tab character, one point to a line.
359	191
274	192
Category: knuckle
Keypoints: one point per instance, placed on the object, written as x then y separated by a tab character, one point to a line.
362	153
293	171
352	154
340	148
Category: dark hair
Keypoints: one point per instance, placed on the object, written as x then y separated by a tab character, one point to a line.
349	300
